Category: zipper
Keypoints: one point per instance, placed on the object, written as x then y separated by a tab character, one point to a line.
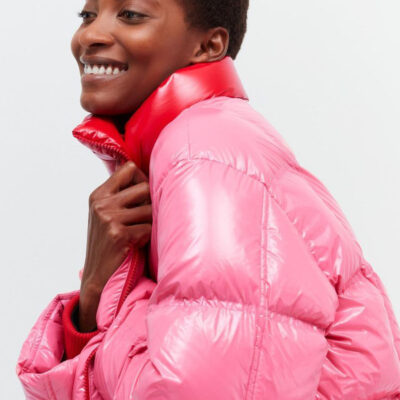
86	374
94	143
133	273
132	277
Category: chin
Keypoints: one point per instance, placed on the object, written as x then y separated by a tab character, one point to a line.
100	106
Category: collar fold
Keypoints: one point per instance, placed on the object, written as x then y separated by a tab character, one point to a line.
182	89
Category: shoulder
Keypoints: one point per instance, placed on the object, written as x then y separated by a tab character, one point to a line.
225	130
230	132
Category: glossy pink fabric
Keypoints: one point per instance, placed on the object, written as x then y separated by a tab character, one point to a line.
257	286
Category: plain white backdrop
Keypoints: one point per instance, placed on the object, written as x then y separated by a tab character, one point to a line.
324	73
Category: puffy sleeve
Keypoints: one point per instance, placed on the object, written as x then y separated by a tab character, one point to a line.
209	330
41	358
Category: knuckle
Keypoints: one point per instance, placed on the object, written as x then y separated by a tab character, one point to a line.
97	206
106	218
125	249
130	165
92	197
115	234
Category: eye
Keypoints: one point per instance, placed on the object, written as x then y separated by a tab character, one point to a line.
85	15
131	15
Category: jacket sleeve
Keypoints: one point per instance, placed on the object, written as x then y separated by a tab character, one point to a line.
41	358
74	340
210	334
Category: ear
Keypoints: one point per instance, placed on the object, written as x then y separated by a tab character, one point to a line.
211	46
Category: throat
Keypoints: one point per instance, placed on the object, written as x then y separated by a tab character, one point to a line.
120	122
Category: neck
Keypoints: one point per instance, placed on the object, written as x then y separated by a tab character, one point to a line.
120	120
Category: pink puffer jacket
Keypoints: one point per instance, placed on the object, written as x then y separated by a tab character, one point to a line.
253	286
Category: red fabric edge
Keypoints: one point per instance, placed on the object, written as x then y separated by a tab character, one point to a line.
74	341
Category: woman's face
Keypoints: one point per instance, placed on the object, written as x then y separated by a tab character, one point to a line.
132	45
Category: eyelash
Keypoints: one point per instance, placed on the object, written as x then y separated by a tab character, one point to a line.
85	14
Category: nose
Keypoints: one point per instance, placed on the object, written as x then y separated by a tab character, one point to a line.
97	33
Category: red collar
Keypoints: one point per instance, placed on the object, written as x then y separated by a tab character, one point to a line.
180	90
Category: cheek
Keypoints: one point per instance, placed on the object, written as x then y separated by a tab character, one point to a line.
162	39
141	44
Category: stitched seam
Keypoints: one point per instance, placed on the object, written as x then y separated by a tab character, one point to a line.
307	245
351	281
188	139
193	303
249	308
260	319
277	174
49	389
185	161
173	163
169	169
291	317
298	170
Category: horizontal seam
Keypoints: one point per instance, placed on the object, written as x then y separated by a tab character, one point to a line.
252	308
277	174
187	160
291	317
191	303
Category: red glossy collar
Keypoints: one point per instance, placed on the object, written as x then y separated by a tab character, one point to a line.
180	90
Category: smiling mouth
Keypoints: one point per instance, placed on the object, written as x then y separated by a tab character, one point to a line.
104	69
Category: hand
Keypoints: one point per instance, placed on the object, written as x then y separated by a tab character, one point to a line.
120	217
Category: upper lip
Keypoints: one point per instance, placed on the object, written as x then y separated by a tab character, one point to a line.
96	60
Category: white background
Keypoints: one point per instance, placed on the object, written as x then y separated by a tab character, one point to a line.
325	73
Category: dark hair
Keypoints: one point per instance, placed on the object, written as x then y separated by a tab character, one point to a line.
229	14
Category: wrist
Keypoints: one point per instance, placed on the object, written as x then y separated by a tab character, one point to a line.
87	308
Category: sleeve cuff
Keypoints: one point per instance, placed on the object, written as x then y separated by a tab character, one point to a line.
74	341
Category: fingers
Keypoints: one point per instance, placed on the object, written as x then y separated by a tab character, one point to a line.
139	235
125	175
137	215
134	195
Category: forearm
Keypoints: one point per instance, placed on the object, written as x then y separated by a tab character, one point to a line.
88	304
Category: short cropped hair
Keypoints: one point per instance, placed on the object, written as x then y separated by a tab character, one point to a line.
229	14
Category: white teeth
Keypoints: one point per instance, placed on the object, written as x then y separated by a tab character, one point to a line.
101	69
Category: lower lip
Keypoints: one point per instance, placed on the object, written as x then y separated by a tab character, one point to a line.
86	78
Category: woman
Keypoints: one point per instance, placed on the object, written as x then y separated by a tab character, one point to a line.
242	279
